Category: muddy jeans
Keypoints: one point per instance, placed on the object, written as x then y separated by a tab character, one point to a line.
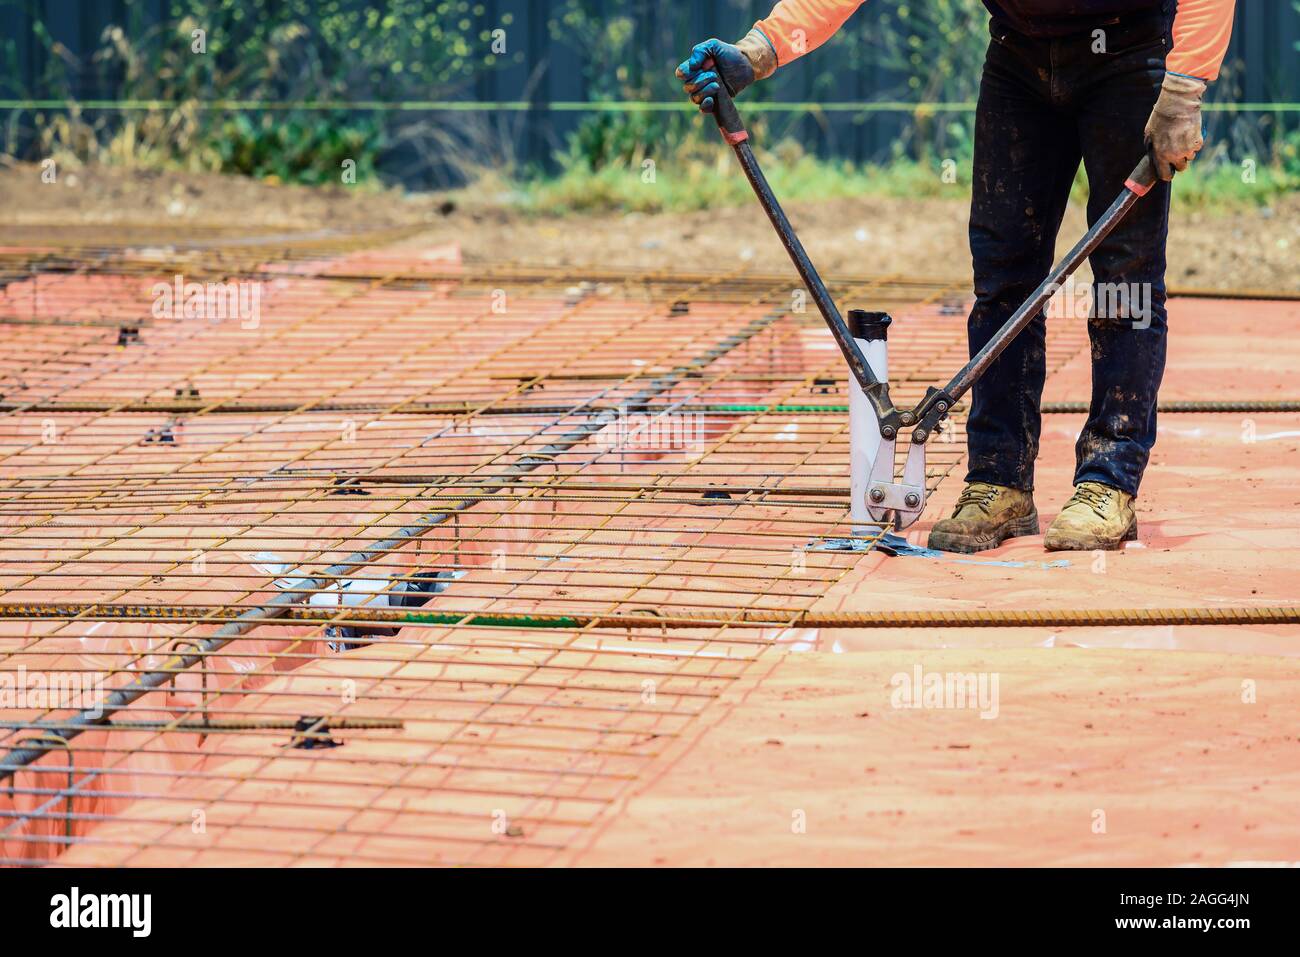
1044	105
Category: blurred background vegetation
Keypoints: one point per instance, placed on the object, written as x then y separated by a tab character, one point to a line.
552	105
250	86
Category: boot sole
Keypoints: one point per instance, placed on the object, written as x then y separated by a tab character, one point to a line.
1093	544
970	544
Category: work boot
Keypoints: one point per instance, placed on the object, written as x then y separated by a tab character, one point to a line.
986	515
1096	517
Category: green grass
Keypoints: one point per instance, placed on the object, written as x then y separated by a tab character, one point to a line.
690	181
1220	185
695	179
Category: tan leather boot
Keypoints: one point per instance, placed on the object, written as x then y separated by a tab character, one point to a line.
1096	517
985	516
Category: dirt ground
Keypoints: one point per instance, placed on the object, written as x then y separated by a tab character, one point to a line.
1240	248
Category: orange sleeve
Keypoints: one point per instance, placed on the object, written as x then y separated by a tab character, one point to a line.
796	27
1202	29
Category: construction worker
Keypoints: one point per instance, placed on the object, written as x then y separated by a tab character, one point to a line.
1063	80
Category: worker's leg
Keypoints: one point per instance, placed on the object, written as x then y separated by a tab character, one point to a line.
1127	326
1026	155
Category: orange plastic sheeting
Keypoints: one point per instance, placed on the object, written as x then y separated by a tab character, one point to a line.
1092	758
518	744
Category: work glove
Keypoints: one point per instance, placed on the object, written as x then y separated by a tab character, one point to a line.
737	64
1173	133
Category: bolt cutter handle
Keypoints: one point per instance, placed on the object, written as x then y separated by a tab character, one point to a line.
734	132
1136	186
724	111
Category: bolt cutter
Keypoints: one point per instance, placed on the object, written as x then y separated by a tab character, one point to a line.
890	499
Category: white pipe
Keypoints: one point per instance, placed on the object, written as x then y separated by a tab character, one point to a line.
864	432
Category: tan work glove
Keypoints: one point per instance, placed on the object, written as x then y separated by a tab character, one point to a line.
1173	133
759	53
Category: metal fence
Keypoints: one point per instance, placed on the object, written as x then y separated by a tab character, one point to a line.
855	108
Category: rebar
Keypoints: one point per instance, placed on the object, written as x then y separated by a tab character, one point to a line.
183	513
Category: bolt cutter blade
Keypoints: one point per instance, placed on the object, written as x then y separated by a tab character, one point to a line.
899	502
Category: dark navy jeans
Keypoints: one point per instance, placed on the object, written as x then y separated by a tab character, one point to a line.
1044	105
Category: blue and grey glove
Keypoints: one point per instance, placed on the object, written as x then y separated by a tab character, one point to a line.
735	64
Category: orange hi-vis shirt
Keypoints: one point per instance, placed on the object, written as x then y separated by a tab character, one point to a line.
1201	30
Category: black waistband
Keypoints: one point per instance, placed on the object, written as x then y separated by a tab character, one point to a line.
1121	29
1154	20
